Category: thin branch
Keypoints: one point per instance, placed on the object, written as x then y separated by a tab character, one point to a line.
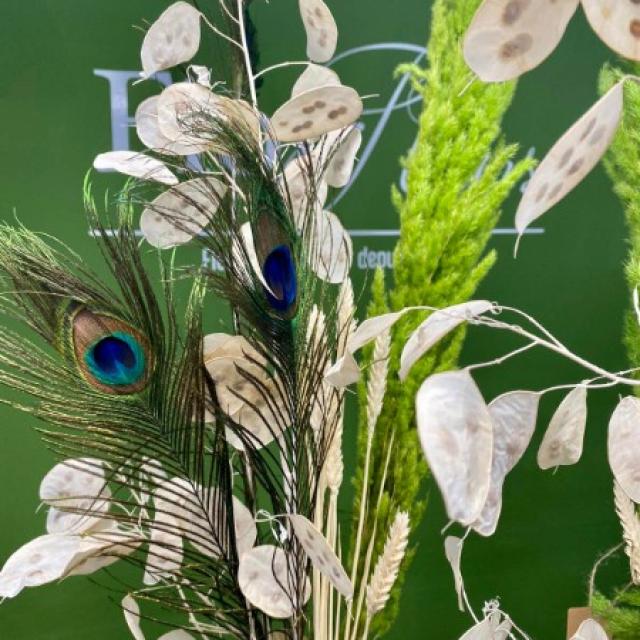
273	67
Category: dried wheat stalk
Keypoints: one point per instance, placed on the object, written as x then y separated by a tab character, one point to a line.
626	510
386	571
377	382
345	326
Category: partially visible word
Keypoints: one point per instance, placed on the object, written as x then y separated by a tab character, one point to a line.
371	259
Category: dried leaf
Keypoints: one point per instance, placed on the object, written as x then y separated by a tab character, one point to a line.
73	481
164	556
514	421
229	360
453	552
176	634
617	25
93	516
371	328
501	625
321	554
507	38
316	112
194	509
456	434
263	577
562	442
624	444
321	28
38	562
185	114
135	164
223	354
314	76
482	630
261	421
297	185
182	212
435	327
590	630
131	612
172	39
331	248
340	167
571	158
147	126
202	74
242	114
343	372
102	548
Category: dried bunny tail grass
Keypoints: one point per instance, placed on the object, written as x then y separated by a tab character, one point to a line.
377	382
386	571
626	510
346	323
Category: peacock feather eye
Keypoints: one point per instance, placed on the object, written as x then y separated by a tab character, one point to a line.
111	355
279	272
277	262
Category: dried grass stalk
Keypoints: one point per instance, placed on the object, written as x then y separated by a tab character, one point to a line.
377	382
386	571
626	510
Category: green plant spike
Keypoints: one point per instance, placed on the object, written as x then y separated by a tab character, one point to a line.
446	219
622	163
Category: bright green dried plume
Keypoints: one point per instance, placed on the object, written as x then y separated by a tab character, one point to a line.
446	220
622	163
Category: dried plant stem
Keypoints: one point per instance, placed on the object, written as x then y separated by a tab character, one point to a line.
356	553
332	476
361	587
376	387
245	53
280	65
367	624
338	609
554	345
592	578
501	359
217	31
334	541
318	580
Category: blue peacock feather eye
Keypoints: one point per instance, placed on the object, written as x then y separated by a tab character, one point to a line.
116	359
112	356
279	271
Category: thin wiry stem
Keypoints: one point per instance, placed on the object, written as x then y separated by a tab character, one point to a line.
280	65
245	52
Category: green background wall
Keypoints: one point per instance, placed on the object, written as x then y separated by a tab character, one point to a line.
55	117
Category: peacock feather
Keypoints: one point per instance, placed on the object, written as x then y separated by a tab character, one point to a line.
198	458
